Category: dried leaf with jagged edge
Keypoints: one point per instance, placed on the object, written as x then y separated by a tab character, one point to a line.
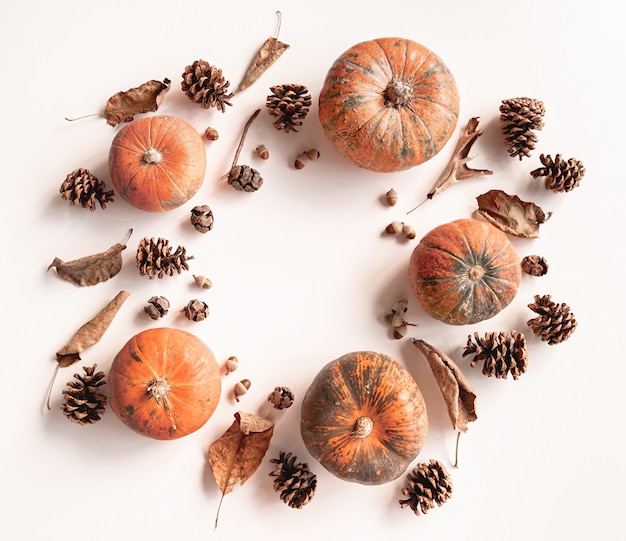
123	106
457	169
456	390
510	214
269	52
92	269
87	335
237	454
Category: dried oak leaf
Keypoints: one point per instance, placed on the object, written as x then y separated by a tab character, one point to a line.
510	214
237	454
87	335
269	52
92	269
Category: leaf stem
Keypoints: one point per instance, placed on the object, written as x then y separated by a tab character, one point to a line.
280	20
83	116
243	136
49	393
456	452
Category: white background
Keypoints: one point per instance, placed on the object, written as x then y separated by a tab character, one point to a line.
302	272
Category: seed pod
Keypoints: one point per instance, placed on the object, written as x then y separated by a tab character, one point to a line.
203	282
394	228
408	231
262	152
391	197
241	388
231	364
211	134
306	156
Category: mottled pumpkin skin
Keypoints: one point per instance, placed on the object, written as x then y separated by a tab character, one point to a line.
190	370
464	272
364	384
157	163
389	104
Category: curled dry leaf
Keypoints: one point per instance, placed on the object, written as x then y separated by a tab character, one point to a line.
237	454
457	169
123	106
510	214
88	334
92	269
269	52
456	390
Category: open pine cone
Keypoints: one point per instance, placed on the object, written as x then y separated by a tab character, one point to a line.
502	353
560	175
81	187
519	118
429	484
204	84
295	481
156	259
555	323
290	103
84	403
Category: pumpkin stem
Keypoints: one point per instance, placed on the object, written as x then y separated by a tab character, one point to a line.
158	389
398	93
476	272
363	427
152	156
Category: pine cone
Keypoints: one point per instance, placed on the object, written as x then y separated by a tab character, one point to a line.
157	307
429	484
290	103
202	218
534	265
196	310
281	398
205	84
244	178
555	323
501	353
82	188
561	175
519	117
295	482
155	258
84	403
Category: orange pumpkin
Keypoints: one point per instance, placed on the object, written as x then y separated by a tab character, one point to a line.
464	272
389	104
364	418
157	163
164	383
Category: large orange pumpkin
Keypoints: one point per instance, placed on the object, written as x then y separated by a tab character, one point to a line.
157	163
364	418
389	104
464	272
164	383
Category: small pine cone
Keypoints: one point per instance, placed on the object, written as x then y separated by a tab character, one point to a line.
428	484
554	323
156	259
281	398
501	353
560	175
295	482
84	403
157	307
290	103
196	310
82	188
534	265
244	178
202	218
205	84
519	117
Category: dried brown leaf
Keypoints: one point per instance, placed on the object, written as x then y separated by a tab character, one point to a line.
456	390
92	269
510	214
91	332
237	454
269	52
123	106
457	169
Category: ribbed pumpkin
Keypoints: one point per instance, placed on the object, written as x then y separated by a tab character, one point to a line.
364	418
389	104
464	272
164	383
157	163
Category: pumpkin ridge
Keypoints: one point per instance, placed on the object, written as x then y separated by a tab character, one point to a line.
174	183
382	77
